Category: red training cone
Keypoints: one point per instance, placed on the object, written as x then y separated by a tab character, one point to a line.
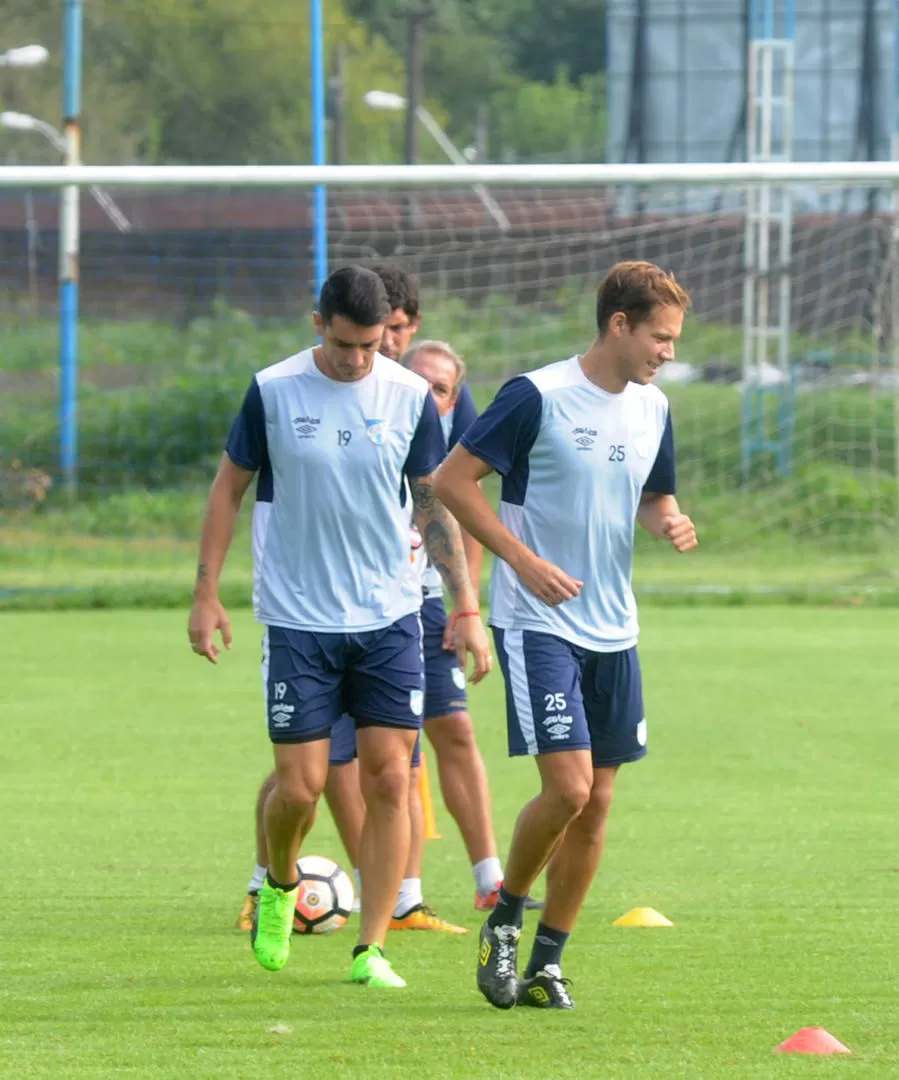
812	1040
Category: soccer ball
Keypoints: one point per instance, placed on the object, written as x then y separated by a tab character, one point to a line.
325	896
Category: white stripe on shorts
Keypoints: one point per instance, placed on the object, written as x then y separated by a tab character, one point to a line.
513	641
266	655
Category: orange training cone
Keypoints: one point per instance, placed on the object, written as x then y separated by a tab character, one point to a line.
643	916
427	803
812	1040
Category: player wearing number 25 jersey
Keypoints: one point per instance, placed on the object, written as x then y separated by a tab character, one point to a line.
585	449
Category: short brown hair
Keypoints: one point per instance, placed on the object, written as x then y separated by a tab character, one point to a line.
635	288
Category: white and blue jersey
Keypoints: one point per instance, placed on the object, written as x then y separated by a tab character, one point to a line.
330	528
456	422
574	461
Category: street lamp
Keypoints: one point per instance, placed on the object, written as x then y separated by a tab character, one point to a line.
26	56
386	101
16	121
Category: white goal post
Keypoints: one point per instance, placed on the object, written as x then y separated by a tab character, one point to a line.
826	173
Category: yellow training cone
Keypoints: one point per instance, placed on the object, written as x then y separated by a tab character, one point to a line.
643	916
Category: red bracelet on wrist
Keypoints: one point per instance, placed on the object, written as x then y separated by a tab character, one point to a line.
465	615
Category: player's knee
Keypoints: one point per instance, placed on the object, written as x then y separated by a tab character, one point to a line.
569	796
388	785
453	736
596	811
297	793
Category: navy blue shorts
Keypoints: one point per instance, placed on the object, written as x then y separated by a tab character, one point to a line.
343	743
312	679
444	679
562	697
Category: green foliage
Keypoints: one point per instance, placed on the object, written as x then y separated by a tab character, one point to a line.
535	67
559	119
223	81
168	424
544	37
212	81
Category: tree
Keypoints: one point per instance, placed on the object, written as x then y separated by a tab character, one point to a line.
214	81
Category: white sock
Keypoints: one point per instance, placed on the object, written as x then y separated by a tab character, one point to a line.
258	878
409	897
488	875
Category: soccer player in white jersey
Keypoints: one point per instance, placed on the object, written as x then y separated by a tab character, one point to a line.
585	449
463	778
334	432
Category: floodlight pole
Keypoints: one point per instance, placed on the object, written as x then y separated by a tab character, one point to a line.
319	151
69	228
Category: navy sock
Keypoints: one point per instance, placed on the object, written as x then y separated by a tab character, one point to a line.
277	885
509	910
548	946
358	950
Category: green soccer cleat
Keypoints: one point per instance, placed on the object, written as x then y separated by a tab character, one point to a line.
372	968
273	926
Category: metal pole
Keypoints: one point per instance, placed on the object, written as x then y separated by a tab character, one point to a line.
416	24
32	235
338	107
68	253
447	146
894	252
319	156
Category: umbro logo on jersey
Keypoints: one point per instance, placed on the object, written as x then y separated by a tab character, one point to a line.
305	426
584	437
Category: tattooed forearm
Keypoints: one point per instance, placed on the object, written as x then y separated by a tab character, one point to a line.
423	497
202	573
441	535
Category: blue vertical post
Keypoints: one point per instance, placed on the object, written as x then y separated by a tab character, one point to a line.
68	253
319	153
895	112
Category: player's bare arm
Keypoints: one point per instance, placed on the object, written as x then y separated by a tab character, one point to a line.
661	515
474	556
207	614
446	551
457	485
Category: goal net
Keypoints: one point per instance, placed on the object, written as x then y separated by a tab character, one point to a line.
786	438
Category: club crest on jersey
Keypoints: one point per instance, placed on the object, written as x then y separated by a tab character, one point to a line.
306	426
376	430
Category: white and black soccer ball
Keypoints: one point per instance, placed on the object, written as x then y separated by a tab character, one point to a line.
325	896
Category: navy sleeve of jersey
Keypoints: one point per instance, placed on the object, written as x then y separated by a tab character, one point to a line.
504	433
247	445
661	479
464	415
428	446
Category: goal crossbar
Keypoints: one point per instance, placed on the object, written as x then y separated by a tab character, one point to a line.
824	173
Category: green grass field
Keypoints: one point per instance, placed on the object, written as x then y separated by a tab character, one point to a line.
764	823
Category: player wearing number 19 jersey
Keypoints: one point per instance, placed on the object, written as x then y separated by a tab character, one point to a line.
334	433
585	449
